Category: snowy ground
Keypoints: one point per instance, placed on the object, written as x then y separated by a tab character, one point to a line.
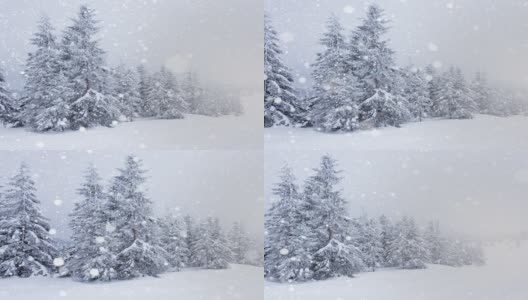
238	282
482	132
503	277
471	175
193	132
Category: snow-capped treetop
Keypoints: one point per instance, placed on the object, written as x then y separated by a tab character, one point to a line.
28	249
280	100
371	58
81	54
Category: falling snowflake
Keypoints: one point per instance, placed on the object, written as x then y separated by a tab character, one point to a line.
99	239
287	37
94	273
284	251
52	231
110	227
349	9
432	47
58	262
437	64
57	202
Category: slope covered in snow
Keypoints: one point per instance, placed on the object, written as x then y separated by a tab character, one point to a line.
503	277
193	132
482	132
238	282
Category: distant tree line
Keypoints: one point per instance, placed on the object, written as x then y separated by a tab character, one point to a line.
115	234
310	234
68	85
356	84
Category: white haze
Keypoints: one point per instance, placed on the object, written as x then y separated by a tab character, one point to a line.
219	40
227	184
477	35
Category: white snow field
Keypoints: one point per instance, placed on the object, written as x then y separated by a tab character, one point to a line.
482	132
503	277
195	132
238	282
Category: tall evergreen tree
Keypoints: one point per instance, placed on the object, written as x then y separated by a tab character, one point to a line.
43	107
434	242
125	88
83	64
7	103
454	100
371	61
370	243
287	251
336	91
165	99
191	91
132	239
407	250
144	89
239	243
417	93
28	249
210	248
92	258
386	237
190	239
326	216
173	241
280	101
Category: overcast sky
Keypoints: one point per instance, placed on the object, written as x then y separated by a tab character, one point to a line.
472	192
227	184
221	40
486	35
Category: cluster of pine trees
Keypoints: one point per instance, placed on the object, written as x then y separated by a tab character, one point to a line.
69	86
310	234
114	233
356	84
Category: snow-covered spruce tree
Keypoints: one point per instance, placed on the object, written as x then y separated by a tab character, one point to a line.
371	61
125	88
387	235
83	66
369	242
210	248
481	94
28	249
8	109
289	242
239	243
408	250
165	99
190	239
416	92
43	107
280	101
173	241
336	90
191	91
91	256
326	215
434	242
454	101
132	239
144	89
